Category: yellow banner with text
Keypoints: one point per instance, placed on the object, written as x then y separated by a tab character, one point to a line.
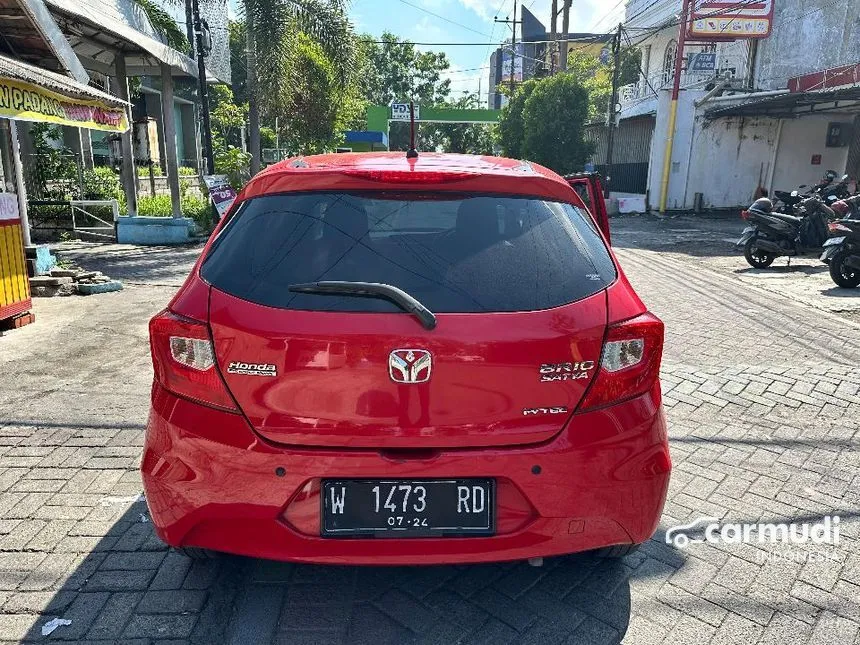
27	102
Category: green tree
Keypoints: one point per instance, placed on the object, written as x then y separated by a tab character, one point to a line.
164	24
394	71
276	54
228	118
511	127
321	106
596	77
238	66
553	119
463	138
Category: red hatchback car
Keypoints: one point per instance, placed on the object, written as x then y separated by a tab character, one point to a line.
382	360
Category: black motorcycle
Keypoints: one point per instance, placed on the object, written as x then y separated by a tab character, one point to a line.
786	201
835	191
772	234
842	249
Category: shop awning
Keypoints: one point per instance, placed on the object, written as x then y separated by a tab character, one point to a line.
30	93
32	36
96	36
794	104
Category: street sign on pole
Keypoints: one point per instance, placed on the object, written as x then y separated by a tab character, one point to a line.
400	112
702	62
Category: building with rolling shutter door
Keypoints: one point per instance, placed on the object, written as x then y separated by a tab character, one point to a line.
632	154
772	114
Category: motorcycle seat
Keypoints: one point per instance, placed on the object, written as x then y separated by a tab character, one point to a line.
790	219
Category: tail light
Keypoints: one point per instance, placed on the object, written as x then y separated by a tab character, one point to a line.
184	360
409	176
630	362
835	227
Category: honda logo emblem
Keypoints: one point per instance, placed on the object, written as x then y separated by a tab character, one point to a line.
409	365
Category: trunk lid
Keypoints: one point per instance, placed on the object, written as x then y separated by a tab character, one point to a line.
517	285
495	379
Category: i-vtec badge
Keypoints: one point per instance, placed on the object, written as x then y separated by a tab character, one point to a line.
252	369
527	412
565	371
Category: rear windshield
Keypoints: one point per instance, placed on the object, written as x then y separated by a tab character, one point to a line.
453	252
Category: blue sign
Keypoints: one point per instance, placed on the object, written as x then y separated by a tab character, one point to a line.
702	62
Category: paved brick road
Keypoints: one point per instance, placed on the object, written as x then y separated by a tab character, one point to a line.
763	399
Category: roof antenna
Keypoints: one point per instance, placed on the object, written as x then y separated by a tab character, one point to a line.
412	153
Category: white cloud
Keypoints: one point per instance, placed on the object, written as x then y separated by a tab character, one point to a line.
427	29
485	9
599	16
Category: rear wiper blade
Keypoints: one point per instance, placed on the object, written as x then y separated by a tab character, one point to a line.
370	290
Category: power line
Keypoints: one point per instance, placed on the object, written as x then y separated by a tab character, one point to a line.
594	38
639	64
676	22
493	30
448	20
606	15
468	69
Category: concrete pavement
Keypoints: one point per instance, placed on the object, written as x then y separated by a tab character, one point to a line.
763	400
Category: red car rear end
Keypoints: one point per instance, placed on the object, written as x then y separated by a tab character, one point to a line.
438	351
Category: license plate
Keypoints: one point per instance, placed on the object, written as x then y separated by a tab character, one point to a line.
834	241
828	254
408	508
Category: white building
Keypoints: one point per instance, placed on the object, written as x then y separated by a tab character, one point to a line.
774	113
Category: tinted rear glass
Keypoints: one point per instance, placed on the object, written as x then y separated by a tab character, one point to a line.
454	253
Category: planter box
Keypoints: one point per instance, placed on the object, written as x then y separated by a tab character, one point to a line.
153	230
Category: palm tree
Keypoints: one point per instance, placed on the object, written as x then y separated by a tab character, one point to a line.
272	27
164	24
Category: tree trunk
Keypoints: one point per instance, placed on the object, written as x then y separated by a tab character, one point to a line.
253	101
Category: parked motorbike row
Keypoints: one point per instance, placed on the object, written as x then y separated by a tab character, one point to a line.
824	221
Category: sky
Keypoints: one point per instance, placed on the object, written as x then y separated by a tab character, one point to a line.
471	21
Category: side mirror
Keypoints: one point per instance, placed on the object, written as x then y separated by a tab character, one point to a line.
801	186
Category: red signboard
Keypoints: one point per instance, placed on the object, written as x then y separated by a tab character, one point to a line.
826	79
726	20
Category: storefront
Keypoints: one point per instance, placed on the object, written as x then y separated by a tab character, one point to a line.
814	128
30	93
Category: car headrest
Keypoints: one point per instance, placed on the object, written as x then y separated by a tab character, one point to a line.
477	220
344	217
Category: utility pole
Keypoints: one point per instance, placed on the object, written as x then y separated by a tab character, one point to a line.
202	87
253	103
673	105
553	35
610	112
513	47
513	23
565	27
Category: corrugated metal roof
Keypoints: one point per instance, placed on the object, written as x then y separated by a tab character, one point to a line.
793	104
16	70
30	34
100	28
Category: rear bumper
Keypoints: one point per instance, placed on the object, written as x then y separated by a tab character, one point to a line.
210	481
